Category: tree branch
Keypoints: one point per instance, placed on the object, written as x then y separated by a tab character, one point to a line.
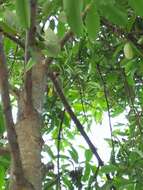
11	133
120	32
13	38
108	107
73	116
77	122
30	43
58	149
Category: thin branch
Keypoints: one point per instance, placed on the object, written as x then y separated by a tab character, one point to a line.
73	116
77	122
11	133
15	39
131	99
129	36
120	32
94	177
108	106
58	150
66	38
30	43
81	92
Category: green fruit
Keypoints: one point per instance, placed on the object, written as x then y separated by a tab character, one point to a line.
128	52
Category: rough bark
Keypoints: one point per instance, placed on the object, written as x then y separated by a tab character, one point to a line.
28	128
29	140
29	108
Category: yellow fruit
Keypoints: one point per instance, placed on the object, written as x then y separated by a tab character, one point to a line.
128	52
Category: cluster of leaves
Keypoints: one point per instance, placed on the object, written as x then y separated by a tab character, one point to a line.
96	75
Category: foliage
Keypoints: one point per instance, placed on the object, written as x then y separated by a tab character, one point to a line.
96	75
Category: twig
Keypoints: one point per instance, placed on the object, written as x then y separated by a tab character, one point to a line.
13	38
120	32
131	99
74	118
30	43
77	122
81	92
48	62
108	106
94	177
58	150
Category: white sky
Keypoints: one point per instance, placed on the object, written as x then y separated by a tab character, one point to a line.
97	134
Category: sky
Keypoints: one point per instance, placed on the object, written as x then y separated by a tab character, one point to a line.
98	135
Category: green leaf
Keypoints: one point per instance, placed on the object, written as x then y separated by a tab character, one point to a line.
11	20
61	29
67	182
140	153
73	13
5	161
137	5
124	183
50	184
105	2
86	172
108	168
74	154
2	176
78	107
67	119
88	155
114	14
92	22
49	151
30	64
23	12
6	28
52	43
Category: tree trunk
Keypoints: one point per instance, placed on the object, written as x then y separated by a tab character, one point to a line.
29	140
28	129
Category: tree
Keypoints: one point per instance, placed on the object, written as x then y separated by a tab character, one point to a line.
63	63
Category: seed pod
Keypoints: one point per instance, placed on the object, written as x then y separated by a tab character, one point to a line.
128	52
